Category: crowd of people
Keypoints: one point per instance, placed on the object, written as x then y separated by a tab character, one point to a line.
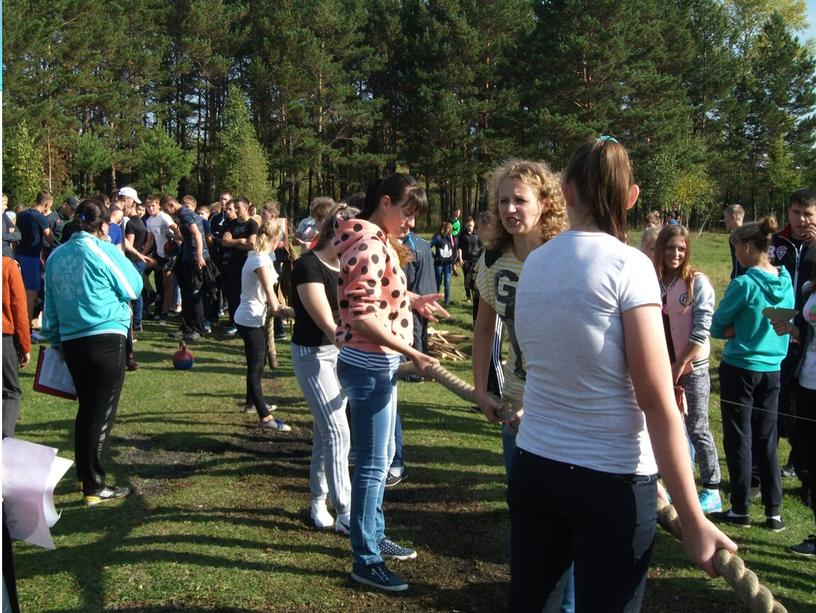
604	383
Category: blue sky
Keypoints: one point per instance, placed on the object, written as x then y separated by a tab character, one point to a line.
811	15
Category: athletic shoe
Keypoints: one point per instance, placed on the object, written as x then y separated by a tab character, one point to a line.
392	479
138	328
231	330
378	576
788	471
755	492
280	337
342	525
192	337
275	424
106	494
806	547
774	525
250	408
389	550
131	363
207	327
741	521
710	501
320	515
177	335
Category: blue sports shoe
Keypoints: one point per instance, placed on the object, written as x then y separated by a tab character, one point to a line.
390	550
377	575
710	501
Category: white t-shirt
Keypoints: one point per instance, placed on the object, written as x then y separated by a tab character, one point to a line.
579	403
807	375
158	227
252	310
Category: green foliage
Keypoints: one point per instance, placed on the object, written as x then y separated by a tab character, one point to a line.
782	175
241	164
160	163
92	155
22	165
338	92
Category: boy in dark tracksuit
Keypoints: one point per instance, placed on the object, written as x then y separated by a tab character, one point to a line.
794	247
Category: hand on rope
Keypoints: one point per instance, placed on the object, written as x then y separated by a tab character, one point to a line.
717	559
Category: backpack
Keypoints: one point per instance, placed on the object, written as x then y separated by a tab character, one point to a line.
443	251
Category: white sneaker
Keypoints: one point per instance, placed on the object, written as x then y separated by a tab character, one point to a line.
320	516
342	525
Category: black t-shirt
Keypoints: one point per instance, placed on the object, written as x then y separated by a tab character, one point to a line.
470	246
56	222
31	224
137	228
309	269
240	229
186	218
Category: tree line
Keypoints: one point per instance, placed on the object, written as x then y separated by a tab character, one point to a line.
296	98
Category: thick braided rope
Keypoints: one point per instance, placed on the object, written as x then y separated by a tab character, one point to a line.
742	580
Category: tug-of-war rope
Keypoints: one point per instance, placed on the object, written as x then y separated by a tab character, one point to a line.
742	580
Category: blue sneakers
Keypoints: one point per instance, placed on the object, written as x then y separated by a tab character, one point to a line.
389	550
710	501
378	576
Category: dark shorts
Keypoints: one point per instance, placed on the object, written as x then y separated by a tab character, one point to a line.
31	268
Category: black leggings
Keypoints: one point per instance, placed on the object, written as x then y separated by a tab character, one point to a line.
255	351
748	402
806	433
97	365
560	513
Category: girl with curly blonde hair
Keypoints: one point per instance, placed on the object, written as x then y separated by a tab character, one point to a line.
526	210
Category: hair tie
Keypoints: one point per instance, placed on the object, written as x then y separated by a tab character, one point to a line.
82	217
608	138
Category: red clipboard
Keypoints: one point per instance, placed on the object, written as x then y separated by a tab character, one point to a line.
52	376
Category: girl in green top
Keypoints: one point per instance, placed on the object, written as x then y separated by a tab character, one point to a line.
749	372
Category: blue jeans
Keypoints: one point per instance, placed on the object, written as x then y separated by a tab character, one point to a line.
139	302
372	399
399	460
443	272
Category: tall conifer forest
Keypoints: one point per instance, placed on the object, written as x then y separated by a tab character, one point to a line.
290	99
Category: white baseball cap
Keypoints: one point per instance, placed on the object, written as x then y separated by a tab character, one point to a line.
130	193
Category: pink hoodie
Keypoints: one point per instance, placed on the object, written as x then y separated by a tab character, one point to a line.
371	284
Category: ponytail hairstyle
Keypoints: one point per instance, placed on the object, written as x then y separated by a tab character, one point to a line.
547	188
327	228
90	216
600	173
756	233
269	235
403	190
686	272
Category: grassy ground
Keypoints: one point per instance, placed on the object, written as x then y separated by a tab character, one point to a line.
219	516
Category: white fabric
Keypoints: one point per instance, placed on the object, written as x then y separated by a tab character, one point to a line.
252	310
579	404
158	227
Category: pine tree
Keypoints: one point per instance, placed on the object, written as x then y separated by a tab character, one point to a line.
241	164
22	165
91	156
160	162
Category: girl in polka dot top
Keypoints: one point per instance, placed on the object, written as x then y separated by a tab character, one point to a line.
375	331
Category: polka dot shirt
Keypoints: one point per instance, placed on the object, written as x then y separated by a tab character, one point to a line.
371	285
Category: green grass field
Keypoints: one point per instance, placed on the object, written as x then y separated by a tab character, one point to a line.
218	520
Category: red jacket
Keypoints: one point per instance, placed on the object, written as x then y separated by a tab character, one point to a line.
15	310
